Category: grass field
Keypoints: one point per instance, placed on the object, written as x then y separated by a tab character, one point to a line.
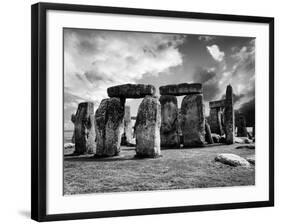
176	169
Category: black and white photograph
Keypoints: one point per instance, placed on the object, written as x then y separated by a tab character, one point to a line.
146	111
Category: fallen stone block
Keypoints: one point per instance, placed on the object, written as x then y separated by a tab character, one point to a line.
68	145
250	146
242	140
251	159
232	160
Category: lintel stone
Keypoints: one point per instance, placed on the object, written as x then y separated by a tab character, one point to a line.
131	91
217	103
181	89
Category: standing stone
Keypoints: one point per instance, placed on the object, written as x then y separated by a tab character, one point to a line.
221	120
147	128
216	116
229	116
241	126
208	135
179	126
84	130
73	135
128	132
169	121
193	120
109	127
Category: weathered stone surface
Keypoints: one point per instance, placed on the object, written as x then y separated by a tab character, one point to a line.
250	146
73	121
208	135
217	103
131	91
127	137
193	120
169	121
216	138
241	126
216	120
68	145
251	159
181	89
109	127
242	140
232	160
147	128
84	130
239	140
179	126
229	116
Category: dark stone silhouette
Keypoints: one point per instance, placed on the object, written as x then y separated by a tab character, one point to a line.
181	89
169	121
241	126
229	116
84	130
216	118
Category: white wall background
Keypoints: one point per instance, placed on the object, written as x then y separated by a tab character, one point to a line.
15	110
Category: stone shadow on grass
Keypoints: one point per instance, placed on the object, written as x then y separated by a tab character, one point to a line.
103	159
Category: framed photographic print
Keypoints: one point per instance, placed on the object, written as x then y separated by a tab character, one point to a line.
139	111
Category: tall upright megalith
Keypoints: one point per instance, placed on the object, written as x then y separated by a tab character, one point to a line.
216	116
84	130
229	116
109	126
147	128
169	121
73	121
128	128
193	120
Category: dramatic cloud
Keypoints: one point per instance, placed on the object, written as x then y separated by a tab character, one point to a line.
209	81
243	73
248	110
237	69
95	60
206	38
245	60
215	52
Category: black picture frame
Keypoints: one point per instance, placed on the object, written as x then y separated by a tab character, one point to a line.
39	108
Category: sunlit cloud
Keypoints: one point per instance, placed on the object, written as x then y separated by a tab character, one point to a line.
215	52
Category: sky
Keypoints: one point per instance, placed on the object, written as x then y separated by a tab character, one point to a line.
97	59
